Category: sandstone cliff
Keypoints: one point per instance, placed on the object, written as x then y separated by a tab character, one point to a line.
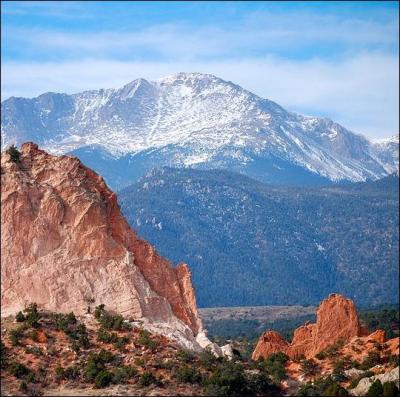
66	246
337	319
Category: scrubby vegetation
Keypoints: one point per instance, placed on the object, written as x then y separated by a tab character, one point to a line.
108	351
146	341
322	387
14	153
382	317
110	321
274	366
309	367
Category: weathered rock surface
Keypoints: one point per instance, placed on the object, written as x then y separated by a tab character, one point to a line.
270	342
337	319
66	246
364	384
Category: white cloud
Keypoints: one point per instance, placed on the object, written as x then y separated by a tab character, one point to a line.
361	92
260	32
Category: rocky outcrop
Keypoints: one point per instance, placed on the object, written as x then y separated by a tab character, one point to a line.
337	319
66	246
365	383
270	342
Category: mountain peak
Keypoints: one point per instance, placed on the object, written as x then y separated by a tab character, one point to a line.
188	76
198	120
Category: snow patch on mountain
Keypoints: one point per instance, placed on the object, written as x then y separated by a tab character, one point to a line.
194	120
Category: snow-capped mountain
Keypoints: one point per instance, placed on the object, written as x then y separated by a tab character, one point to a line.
196	120
387	152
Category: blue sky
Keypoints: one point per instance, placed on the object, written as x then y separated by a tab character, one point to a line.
334	59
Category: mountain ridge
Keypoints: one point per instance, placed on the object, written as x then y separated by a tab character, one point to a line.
194	120
231	228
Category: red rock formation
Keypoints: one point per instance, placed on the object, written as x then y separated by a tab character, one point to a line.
66	246
337	319
270	342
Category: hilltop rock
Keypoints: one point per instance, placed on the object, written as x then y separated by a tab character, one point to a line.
66	246
270	342
337	319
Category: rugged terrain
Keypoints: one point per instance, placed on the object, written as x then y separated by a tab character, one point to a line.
66	246
101	353
336	345
197	120
282	245
55	354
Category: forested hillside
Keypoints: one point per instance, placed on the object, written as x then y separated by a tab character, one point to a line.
248	243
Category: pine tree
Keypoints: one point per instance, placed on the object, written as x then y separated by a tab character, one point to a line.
375	389
14	153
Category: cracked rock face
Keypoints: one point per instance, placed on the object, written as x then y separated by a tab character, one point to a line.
66	246
337	319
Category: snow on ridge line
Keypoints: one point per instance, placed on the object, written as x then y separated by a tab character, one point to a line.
203	117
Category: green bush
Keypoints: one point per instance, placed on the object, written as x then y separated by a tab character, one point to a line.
207	359
63	322
227	380
96	363
16	334
35	350
274	365
393	360
81	335
91	369
147	379
111	337
72	372
19	370
390	389
308	389
188	374
3	355
14	153
32	315
375	390
309	367
77	332
354	364
98	311
20	318
103	379
121	342
321	355
106	337
322	387
123	374
333	350
146	341
185	356
373	358
110	321
335	390
258	384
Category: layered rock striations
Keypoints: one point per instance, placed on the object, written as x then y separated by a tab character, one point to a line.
66	246
337	319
